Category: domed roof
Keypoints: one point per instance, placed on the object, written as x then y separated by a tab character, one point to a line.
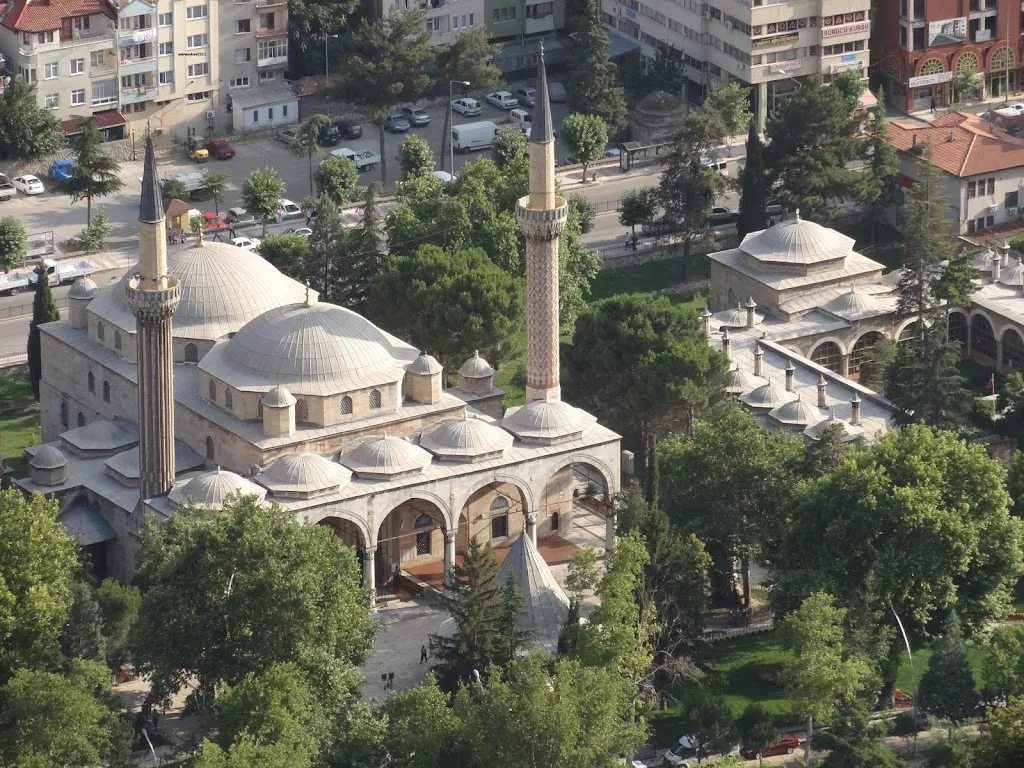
796	413
83	288
210	490
48	457
1012	275
222	288
303	473
546	421
797	241
853	303
815	431
312	348
767	396
385	457
476	367
465	439
731	318
278	397
424	365
741	381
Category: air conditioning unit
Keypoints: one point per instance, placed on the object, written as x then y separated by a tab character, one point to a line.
1012	211
742	66
993	208
210	114
728	25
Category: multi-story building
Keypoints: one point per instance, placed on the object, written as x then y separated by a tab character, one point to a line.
446	19
768	45
920	48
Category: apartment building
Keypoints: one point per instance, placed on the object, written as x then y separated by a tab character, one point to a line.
446	19
516	18
769	45
921	47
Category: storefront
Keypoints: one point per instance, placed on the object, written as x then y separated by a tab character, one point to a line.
929	90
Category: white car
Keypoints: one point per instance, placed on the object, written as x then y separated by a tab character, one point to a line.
502	100
289	209
288	136
684	754
30	185
468	107
301	231
1017	106
249	243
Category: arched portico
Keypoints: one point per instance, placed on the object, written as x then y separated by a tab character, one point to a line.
579	488
354	535
495	512
1011	346
414	532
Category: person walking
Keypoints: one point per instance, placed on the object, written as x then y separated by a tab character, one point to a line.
423	654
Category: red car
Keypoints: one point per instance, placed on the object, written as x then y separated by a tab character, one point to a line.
211	221
219	149
786	745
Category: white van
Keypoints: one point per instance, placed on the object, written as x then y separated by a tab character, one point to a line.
717	165
466	138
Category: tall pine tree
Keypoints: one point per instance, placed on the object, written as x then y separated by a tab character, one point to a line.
753	186
882	165
44	310
366	253
947	688
594	87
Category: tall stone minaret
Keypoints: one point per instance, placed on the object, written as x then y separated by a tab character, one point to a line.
542	215
154	295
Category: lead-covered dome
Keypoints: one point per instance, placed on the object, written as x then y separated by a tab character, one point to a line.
83	288
796	413
304	475
385	457
545	421
211	490
48	457
465	439
797	242
767	396
1012	275
854	303
741	381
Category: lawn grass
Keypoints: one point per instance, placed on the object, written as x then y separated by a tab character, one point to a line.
905	680
19	420
646	278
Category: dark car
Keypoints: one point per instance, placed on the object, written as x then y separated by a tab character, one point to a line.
350	129
786	745
219	149
396	123
329	135
721	215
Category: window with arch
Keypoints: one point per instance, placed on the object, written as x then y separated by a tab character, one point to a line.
932	67
191	353
554	521
957	328
212	390
227	399
967	63
828	355
375	398
860	350
911	332
63	414
81	419
101	331
92	383
424	527
209	449
106	391
117	340
1002	60
983	340
346	405
499	517
301	411
894	69
1013	349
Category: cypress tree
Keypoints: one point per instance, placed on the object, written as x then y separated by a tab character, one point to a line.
44	310
753	189
947	687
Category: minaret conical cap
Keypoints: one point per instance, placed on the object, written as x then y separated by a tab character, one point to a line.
151	208
541	131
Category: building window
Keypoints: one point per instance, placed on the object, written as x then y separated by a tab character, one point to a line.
227	399
101	331
375	398
51	101
301	411
197	12
242	26
499	517
255	115
554	521
983	340
165	19
346	405
860	350
106	391
81	419
284	110
424	526
434	24
828	355
243	55
166	78
200	96
910	333
972	190
239	82
992	186
96	59
270	113
543	10
166	49
51	71
199	70
212	391
191	353
117	340
209	449
197	41
78	66
64	414
266	21
1010	199
92	383
272	49
957	328
78	97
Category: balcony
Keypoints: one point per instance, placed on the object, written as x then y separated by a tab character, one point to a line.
135	66
265	32
34	48
85	35
138	34
432	5
270	3
272	61
104	102
135	95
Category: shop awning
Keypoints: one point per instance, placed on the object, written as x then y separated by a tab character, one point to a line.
102	120
83	522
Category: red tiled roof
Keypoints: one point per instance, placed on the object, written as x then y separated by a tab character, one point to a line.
961	144
46	15
101	121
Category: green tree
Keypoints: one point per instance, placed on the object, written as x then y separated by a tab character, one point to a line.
925	384
388	62
509	146
645	364
1002	665
95	234
96	173
83	634
876	363
578	265
290	253
585	211
708	721
586	138
262	191
369	256
450	303
882	165
639	206
36	562
824	670
421	725
234	593
173	189
247	752
216	184
311	24
307	141
13	242
824	455
415	157
757	729
119	607
1015	485
44	310
732	105
327	252
1002	742
689	188
336	178
27	131
593	86
753	186
853	740
947	687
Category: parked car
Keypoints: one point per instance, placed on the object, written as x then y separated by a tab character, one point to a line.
396	122
329	136
212	222
468	107
684	754
61	169
249	243
239	216
786	745
527	96
774	208
502	100
416	116
7	190
721	215
556	92
28	184
1017	106
288	208
364	159
301	231
219	149
521	118
350	129
287	136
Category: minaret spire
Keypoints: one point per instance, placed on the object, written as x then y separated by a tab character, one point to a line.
542	215
152	228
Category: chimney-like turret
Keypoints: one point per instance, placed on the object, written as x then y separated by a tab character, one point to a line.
1004	252
997	263
726	344
855	410
705	321
822	391
758	360
790	376
750	306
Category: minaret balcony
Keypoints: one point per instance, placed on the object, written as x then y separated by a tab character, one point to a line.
156	302
543	224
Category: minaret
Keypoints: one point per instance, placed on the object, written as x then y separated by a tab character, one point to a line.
542	215
153	295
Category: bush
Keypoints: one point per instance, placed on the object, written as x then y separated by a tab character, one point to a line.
94	236
13	242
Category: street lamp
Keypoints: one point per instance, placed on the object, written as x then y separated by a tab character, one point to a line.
327	65
451	125
906	641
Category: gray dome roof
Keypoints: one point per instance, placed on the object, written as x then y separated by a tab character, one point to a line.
465	439
476	367
767	396
853	303
48	457
83	288
1012	275
303	473
797	241
546	420
732	318
741	381
385	457
210	490
278	397
424	365
796	413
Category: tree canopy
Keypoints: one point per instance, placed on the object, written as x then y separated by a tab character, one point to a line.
262	191
44	310
13	242
586	137
593	86
27	131
95	174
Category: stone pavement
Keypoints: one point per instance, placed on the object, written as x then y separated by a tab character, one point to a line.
407	626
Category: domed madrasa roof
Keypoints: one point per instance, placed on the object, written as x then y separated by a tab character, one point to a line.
767	396
546	421
797	241
466	438
303	473
312	348
476	367
741	381
48	457
731	318
1013	275
222	288
278	397
853	303
424	365
210	490
796	413
385	457
83	288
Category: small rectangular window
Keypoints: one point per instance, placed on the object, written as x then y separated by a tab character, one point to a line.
991	186
197	12
196	41
423	543
970	190
77	66
198	70
284	110
51	71
270	113
990	221
96	59
1010	199
242	55
166	49
242	26
255	115
52	100
167	78
165	19
78	97
499	527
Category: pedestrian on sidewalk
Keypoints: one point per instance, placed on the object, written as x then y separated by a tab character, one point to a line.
156	720
423	654
932	100
231	233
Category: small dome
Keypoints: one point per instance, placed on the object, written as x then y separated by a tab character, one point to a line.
476	367
767	396
385	457
83	288
1012	275
730	318
48	457
465	439
304	473
815	431
544	420
797	241
741	381
424	365
854	302
982	261
210	490
278	397
796	413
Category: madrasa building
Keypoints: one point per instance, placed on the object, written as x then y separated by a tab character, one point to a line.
206	373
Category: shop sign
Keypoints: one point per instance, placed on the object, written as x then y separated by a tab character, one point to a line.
847	57
836	68
926	80
947	31
630	13
785	66
846	29
764	42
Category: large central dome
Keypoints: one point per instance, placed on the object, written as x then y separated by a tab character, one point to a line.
797	242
